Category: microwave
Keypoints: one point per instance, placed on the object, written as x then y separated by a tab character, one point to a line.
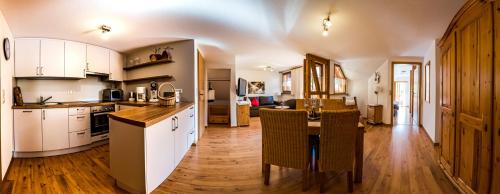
112	95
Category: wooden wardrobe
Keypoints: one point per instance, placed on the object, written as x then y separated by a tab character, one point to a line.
470	142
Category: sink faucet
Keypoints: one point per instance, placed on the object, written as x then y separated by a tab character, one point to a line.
42	101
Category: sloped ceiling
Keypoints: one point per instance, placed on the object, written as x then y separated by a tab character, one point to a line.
250	32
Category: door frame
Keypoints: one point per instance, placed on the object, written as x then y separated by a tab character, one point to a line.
419	64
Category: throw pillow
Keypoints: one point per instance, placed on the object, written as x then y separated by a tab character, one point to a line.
254	102
266	100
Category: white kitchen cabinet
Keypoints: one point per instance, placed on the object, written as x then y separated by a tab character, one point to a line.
51	58
55	129
97	59
159	161
115	66
79	138
183	126
79	123
27	57
27	130
75	59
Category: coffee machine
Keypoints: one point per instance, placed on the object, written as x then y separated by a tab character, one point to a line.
141	94
154	92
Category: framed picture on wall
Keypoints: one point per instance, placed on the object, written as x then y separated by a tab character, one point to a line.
256	87
427	82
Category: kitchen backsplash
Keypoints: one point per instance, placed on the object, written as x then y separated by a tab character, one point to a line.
63	90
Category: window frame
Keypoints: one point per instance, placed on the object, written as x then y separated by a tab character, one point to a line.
283	74
335	77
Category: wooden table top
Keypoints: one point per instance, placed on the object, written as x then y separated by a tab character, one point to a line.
148	115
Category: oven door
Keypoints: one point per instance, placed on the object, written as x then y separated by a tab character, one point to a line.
99	123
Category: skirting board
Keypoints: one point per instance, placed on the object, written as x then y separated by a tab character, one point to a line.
59	152
428	136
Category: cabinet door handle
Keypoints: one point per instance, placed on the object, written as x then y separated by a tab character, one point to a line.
27	111
84	73
43	114
87	66
176	122
192	115
81	133
41	70
173	124
37	70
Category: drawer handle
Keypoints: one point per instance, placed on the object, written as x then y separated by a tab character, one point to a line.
27	111
80	133
81	117
192	115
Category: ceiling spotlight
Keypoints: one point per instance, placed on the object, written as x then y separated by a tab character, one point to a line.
105	30
327	23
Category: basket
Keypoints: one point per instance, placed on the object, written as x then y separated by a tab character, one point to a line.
168	100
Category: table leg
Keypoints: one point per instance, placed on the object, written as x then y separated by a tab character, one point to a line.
358	166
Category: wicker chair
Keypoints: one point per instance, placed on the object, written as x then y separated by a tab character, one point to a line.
285	141
337	143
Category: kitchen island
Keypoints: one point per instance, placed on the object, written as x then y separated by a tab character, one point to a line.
147	143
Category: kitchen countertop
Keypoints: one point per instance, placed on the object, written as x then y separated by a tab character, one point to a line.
81	104
148	115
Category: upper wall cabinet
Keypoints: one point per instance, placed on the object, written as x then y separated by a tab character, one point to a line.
39	57
115	66
97	59
27	57
75	59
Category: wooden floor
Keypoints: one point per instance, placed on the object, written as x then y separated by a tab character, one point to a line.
228	160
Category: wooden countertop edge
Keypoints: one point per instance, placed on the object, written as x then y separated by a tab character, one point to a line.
150	122
82	104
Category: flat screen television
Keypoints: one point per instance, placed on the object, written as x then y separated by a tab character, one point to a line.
242	87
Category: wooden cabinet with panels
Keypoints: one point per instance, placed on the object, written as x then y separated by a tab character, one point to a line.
75	59
467	99
116	62
374	114
28	130
243	114
97	59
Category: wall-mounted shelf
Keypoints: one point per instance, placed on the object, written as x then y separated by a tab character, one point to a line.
149	78
162	61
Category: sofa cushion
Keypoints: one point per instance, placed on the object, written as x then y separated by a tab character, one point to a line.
266	100
254	102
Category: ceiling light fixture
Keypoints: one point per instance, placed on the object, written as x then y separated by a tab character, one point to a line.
105	30
268	68
327	23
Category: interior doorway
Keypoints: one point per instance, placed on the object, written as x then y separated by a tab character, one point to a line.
406	93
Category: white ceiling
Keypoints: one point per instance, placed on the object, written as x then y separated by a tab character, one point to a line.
249	33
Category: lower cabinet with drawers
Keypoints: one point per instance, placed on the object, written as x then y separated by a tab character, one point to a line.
51	129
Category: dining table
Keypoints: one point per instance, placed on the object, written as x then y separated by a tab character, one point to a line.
314	129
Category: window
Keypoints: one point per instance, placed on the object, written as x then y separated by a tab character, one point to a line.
286	82
340	81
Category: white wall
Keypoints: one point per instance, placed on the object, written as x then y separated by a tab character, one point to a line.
359	89
431	119
271	80
6	115
63	90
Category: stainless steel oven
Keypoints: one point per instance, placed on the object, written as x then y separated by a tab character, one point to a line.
99	122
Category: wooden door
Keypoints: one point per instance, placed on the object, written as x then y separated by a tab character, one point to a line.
496	133
75	56
448	89
201	95
55	129
52	58
27	57
474	35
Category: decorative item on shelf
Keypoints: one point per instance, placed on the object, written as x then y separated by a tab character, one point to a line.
154	92
168	98
167	53
156	55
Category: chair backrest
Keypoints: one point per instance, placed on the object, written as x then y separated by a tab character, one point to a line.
285	138
299	104
337	139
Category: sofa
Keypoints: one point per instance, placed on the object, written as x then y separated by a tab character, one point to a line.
259	102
